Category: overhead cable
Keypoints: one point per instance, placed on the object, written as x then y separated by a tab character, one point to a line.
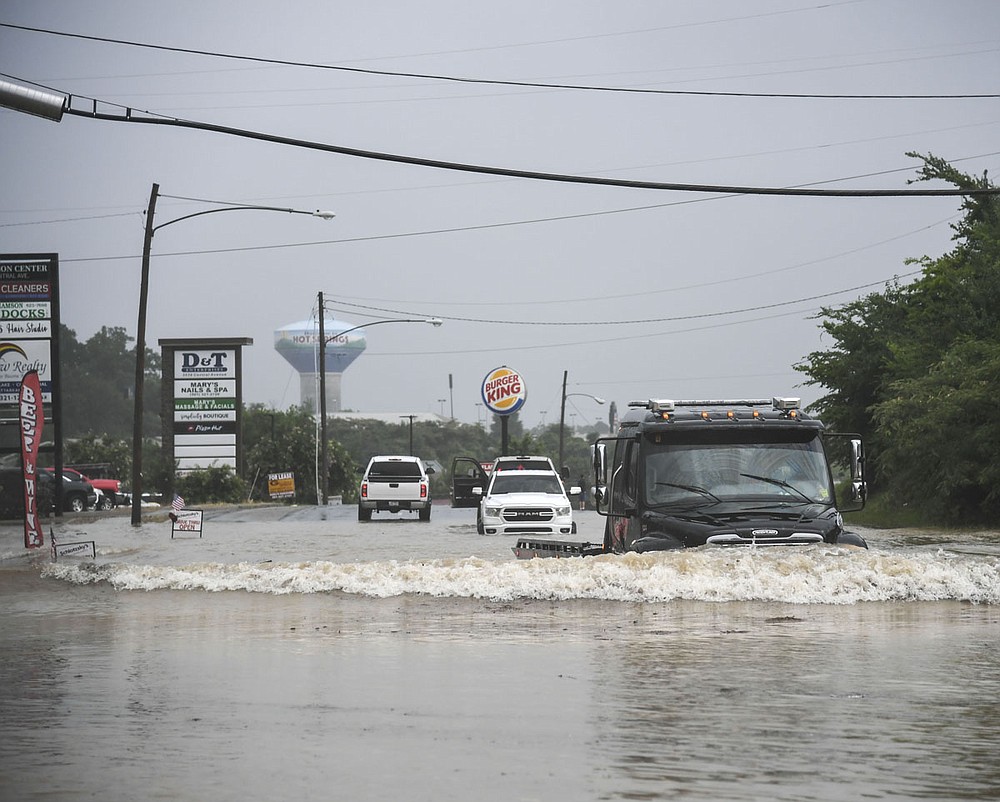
129	116
494	81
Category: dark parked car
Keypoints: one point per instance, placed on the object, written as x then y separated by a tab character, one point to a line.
12	493
78	494
110	488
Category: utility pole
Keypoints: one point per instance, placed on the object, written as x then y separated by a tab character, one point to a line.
323	457
411	417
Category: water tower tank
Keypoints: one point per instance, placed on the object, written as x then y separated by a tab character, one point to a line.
298	343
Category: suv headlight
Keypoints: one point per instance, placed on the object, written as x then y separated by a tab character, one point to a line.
563	511
492	512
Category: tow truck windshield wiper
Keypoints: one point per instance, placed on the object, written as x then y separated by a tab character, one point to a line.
701	491
780	483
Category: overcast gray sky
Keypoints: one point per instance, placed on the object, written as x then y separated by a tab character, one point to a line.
543	277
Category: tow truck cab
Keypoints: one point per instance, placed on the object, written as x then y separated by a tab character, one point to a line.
745	472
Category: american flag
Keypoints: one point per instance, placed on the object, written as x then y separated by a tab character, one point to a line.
177	503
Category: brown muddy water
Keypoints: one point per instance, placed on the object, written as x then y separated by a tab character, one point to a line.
295	653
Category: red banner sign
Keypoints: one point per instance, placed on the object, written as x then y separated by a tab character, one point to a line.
32	417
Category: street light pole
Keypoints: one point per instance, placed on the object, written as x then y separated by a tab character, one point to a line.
323	339
410	417
140	362
562	415
140	337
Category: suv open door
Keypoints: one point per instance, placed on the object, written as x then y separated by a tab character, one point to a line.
466	474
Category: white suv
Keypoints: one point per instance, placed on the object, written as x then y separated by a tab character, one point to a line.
523	501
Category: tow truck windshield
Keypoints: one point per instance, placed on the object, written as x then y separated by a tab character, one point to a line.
715	472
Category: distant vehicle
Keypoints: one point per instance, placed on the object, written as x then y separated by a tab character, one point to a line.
521	501
110	488
523	463
12	494
78	495
468	473
393	484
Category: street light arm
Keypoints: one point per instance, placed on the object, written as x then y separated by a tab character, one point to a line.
587	395
323	340
140	337
562	413
432	320
317	213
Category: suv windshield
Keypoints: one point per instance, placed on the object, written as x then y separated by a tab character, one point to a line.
515	482
505	464
788	469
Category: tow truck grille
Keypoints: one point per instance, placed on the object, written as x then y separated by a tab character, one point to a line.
528	515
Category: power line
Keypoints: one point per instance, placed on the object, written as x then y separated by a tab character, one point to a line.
535	175
493	81
505	347
648	292
638	321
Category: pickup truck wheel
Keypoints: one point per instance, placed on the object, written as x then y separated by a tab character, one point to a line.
76	503
363	514
105	503
425	514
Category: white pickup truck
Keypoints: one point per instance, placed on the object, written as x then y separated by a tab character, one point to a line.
395	483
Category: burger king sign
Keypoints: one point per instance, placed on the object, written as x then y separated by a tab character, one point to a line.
504	392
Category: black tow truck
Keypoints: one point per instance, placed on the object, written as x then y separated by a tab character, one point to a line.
745	472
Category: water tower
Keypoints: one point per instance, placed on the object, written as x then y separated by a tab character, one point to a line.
299	344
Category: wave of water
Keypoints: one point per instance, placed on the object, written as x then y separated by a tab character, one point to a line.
806	576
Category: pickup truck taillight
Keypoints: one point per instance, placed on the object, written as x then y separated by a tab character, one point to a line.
423	490
364	490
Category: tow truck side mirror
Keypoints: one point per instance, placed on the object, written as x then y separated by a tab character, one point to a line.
600	451
859	488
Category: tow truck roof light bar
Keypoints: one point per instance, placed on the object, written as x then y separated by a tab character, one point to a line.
778	403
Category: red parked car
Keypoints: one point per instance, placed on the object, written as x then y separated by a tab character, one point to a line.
110	488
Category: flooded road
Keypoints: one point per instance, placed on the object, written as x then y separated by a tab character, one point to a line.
295	652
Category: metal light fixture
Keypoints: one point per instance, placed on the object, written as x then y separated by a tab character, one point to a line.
140	338
323	339
562	415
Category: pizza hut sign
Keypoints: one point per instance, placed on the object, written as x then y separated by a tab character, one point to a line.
504	392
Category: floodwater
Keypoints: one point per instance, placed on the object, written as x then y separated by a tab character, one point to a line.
295	653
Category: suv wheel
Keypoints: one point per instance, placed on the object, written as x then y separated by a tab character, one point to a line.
76	503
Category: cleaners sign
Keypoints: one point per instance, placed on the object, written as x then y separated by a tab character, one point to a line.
504	392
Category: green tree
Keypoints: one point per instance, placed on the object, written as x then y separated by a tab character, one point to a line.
90	449
97	384
941	449
219	485
908	367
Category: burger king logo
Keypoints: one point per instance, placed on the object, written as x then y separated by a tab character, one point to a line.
504	392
